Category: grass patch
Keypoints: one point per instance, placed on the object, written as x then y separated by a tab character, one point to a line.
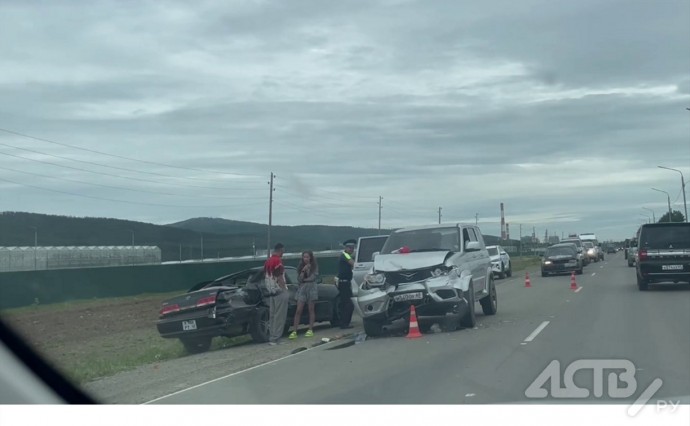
87	303
92	366
524	262
95	365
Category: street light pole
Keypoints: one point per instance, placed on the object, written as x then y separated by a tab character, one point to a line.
668	197
653	216
682	185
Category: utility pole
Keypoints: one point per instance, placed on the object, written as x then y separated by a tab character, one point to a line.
202	247
439	215
132	237
180	252
270	215
380	207
653	215
476	218
520	240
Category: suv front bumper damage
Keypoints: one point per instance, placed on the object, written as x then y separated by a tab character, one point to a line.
435	299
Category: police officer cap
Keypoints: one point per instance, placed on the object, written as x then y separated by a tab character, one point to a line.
350	243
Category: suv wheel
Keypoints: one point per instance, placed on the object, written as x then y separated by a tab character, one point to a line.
510	270
502	274
490	302
372	327
469	320
642	284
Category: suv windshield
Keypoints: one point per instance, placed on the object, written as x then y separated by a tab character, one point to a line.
666	236
434	239
493	251
560	251
576	242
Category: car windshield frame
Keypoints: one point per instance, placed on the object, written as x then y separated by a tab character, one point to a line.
569	251
447	240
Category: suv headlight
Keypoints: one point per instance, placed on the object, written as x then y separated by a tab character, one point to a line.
375	280
439	272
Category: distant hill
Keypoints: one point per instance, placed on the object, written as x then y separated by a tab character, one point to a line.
221	237
316	237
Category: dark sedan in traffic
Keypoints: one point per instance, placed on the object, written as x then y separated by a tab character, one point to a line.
561	258
234	305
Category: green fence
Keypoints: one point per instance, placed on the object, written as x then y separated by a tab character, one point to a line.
59	285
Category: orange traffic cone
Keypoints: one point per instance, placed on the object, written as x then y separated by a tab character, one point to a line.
528	283
414	327
573	284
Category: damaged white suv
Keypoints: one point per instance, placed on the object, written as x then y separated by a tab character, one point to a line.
442	270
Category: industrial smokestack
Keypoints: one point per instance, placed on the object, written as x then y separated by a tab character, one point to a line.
503	223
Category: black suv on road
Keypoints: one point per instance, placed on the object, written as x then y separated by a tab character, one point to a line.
663	254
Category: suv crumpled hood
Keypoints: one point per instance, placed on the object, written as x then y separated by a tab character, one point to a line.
410	261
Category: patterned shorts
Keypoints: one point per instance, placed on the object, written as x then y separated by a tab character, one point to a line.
307	292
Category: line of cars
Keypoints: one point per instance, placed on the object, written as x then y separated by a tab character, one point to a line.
571	255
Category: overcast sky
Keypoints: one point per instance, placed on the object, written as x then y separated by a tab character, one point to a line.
560	109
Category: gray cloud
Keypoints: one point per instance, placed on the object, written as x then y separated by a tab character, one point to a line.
560	110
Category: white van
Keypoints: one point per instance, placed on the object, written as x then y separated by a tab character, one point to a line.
364	259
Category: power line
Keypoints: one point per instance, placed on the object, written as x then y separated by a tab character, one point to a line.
122	156
124	177
129	189
103	165
115	200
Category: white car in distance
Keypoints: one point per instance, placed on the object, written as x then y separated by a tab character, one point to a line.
500	261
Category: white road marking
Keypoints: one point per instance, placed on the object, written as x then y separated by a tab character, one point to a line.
536	332
470	395
594	273
234	374
578	289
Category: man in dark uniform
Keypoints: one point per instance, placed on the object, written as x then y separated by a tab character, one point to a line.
346	264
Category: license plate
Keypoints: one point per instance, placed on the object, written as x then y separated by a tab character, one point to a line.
671	267
408	296
189	325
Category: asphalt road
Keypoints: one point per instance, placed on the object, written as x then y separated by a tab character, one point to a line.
607	318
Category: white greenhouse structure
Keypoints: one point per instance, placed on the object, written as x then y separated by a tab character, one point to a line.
40	258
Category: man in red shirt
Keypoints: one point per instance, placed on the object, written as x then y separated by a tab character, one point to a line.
278	302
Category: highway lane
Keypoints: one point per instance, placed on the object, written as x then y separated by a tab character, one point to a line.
495	362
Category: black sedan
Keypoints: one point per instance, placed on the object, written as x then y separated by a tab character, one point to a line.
561	258
234	305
